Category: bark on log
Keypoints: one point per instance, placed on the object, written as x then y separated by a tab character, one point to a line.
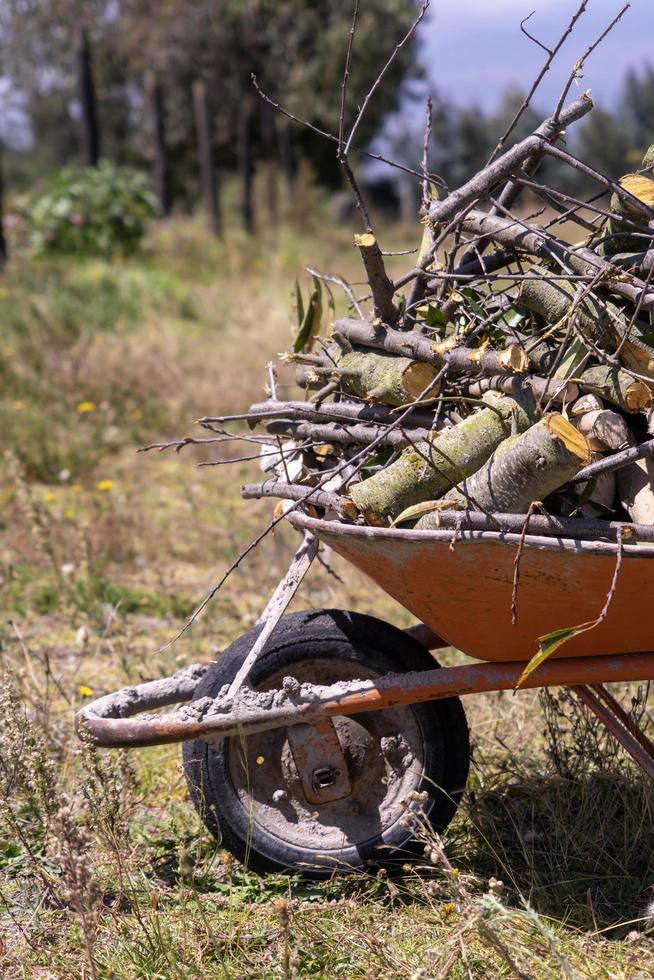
381	286
427	471
383	378
420	348
616	386
602	496
542	389
609	464
331	412
324	499
524	468
603	323
553	300
635	490
604	430
543	245
352	434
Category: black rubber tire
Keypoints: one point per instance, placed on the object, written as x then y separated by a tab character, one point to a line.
364	642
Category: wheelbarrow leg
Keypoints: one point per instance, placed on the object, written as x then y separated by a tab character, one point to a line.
621	726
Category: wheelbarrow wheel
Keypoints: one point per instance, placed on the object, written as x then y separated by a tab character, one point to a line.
252	795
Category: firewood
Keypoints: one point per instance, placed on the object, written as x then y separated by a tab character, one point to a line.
525	468
618	387
383	379
410	343
554	301
604	430
636	490
587	403
429	469
602	496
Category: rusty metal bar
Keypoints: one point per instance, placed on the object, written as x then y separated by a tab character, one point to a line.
629	723
624	737
426	637
325	702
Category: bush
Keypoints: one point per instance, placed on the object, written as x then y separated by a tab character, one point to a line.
101	210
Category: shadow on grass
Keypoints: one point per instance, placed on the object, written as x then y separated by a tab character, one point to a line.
580	850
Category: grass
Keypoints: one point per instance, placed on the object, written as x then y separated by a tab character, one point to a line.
105	869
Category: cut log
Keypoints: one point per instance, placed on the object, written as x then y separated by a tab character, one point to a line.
428	470
384	379
635	490
604	430
618	387
542	389
554	299
587	403
525	468
602	495
544	245
381	286
412	344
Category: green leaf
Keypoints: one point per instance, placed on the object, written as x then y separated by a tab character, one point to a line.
298	303
512	318
418	510
574	355
310	325
550	642
434	316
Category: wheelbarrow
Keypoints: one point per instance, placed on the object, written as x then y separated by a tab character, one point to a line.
347	721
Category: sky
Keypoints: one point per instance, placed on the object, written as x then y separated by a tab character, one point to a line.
473	50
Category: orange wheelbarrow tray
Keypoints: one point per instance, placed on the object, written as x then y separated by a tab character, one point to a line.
459	585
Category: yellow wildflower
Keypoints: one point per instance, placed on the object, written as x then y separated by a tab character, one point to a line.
104	485
136	414
69	514
19	406
49	497
85	407
85	691
76	487
7	351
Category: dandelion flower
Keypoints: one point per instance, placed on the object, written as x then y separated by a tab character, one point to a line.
49	497
19	406
85	691
76	487
104	485
84	407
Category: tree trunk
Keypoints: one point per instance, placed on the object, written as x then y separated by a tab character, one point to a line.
162	173
90	130
429	469
3	241
246	163
206	156
269	140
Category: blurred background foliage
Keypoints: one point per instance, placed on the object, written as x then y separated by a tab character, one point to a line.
166	88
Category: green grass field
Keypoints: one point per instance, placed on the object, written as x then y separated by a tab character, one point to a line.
105	869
